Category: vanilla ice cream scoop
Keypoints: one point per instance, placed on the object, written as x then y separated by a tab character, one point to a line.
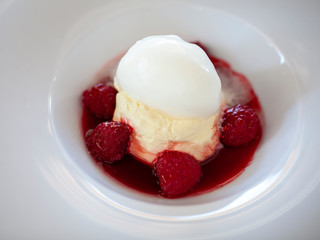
171	75
170	94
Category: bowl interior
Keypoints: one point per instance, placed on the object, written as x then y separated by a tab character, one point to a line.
102	35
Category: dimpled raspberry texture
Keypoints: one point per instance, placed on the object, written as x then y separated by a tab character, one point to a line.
100	100
108	141
240	126
177	172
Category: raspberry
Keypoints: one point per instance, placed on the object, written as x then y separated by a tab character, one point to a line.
178	172
108	141
101	100
240	126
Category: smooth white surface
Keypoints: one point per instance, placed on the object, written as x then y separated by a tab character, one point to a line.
171	75
49	188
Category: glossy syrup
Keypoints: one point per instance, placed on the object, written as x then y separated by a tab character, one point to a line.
222	168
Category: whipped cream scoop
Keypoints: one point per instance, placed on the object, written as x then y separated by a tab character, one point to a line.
171	75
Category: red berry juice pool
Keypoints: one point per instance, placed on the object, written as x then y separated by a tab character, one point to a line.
222	168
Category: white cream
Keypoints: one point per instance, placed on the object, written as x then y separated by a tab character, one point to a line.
171	75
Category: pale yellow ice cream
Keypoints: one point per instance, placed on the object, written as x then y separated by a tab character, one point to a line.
157	126
154	131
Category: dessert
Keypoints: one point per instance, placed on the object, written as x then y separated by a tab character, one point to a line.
169	117
170	94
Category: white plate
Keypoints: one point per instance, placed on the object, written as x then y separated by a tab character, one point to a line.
50	52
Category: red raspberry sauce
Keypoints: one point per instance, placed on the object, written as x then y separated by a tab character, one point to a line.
219	170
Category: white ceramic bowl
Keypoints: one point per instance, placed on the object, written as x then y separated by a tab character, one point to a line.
52	51
100	37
